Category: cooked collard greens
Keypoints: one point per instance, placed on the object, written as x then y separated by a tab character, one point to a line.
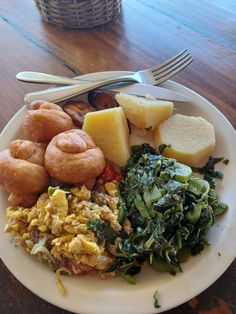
169	209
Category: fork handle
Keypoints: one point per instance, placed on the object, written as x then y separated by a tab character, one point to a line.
58	94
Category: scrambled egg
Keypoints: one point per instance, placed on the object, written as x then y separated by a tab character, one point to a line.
55	228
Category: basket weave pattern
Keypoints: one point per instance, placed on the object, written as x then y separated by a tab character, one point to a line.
78	13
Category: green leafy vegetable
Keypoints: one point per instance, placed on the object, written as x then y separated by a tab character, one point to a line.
162	147
103	231
122	211
210	174
169	209
198	189
128	278
156	302
52	189
226	161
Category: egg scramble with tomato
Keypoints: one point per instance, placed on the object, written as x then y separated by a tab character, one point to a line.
56	228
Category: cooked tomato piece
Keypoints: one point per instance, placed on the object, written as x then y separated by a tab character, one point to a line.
109	174
77	269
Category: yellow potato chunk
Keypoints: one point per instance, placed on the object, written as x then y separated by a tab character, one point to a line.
109	130
192	139
144	112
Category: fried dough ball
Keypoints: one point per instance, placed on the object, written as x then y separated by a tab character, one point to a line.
27	150
22	172
72	157
44	120
26	200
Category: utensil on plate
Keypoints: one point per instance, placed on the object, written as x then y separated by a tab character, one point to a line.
45	78
133	89
153	91
170	67
153	76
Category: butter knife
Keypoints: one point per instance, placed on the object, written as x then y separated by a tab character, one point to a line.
58	94
150	90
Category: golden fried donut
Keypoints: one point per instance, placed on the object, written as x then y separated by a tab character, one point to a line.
44	120
73	157
22	172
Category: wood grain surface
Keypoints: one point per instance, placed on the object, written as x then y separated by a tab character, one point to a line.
146	33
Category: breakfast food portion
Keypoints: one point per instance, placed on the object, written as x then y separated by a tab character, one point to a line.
85	199
191	139
72	157
102	99
22	172
77	111
57	228
28	150
44	120
109	130
144	112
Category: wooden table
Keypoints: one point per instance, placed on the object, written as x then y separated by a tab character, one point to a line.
145	34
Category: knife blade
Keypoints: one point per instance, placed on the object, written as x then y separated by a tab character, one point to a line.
149	90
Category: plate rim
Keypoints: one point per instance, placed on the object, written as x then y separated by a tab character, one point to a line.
171	85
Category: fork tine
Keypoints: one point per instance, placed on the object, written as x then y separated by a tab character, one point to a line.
172	72
172	68
171	65
169	61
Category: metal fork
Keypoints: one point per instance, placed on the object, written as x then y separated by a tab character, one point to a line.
153	76
44	78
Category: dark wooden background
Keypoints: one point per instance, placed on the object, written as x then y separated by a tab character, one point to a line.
146	33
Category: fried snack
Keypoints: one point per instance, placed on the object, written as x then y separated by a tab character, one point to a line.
27	150
22	172
77	110
44	120
26	200
102	99
72	157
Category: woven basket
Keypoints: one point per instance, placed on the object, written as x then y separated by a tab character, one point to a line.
78	13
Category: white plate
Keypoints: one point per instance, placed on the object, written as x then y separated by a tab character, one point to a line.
87	294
